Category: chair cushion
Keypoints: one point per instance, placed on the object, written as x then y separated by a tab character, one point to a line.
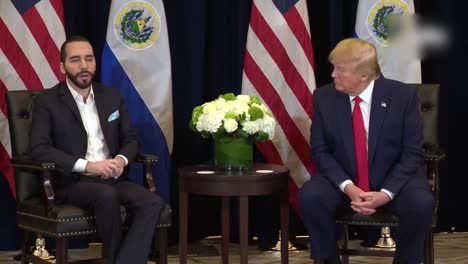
379	218
67	220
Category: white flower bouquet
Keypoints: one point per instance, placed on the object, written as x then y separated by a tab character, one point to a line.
234	117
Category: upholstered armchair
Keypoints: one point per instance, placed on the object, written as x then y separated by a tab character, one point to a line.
429	105
37	211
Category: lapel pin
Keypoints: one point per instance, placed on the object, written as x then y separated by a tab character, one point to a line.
383	104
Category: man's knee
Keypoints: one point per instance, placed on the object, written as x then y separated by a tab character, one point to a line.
308	195
424	206
311	195
152	203
108	196
419	206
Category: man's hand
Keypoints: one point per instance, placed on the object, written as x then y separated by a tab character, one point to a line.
106	168
353	192
121	165
370	202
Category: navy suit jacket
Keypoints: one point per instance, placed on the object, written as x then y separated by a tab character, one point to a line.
58	134
395	152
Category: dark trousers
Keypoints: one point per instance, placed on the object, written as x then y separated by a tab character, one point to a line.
319	200
103	198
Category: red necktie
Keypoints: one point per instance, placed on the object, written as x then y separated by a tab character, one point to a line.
360	149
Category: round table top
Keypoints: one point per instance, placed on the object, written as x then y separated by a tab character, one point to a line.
261	179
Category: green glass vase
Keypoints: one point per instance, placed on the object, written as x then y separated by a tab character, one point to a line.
233	154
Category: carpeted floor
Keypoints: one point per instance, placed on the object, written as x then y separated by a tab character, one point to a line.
450	248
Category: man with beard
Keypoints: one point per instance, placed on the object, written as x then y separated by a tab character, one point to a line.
85	129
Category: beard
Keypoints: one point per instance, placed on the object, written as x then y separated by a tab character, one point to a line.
76	80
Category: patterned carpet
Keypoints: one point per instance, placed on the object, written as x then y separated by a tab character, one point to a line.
450	248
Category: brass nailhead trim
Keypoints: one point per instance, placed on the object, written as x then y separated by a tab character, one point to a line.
367	223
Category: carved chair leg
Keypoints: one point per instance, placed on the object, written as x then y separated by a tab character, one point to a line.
162	242
429	248
345	258
26	247
62	250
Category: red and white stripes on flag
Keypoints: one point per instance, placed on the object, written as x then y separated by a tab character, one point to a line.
31	33
278	67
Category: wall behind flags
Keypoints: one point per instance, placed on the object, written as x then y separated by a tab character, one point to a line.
207	41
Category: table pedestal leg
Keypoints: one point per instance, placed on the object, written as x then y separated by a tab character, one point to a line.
244	228
284	222
183	221
225	228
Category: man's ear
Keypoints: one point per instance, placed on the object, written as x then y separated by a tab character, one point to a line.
62	68
364	78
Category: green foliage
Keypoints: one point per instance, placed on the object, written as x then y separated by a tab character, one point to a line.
255	100
261	136
255	113
231	115
239	133
228	97
197	112
220	135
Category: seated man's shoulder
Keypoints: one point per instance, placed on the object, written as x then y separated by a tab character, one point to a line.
107	90
48	93
325	90
397	86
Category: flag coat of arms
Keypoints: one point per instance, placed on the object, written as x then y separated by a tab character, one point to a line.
385	23
136	60
31	35
278	67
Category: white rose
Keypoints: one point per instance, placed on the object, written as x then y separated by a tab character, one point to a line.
243	98
230	125
220	103
209	107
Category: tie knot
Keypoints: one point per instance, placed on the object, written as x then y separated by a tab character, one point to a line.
357	100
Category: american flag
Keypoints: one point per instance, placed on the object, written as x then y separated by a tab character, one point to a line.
278	67
31	33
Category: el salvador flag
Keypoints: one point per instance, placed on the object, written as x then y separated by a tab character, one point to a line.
398	57
136	60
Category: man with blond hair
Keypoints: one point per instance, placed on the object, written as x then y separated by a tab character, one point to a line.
366	141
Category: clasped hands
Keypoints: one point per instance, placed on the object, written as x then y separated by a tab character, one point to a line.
365	202
111	168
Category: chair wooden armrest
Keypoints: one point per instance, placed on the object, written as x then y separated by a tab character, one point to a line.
432	157
148	161
46	170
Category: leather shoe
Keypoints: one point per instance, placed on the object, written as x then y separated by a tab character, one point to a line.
330	260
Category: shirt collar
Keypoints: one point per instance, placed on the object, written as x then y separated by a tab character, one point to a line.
77	96
366	95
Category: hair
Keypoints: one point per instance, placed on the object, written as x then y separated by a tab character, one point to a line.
359	51
63	49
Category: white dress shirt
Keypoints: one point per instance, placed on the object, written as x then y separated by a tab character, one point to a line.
97	148
365	105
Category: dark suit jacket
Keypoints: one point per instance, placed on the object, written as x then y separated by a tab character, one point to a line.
58	134
395	152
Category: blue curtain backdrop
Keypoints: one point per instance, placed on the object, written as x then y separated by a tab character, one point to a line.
207	40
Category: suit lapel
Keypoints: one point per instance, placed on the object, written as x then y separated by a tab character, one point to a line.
69	101
380	104
345	125
100	106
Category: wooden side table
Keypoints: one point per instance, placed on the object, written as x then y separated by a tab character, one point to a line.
262	179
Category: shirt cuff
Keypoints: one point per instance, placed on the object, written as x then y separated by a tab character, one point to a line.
389	193
343	184
80	165
124	158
